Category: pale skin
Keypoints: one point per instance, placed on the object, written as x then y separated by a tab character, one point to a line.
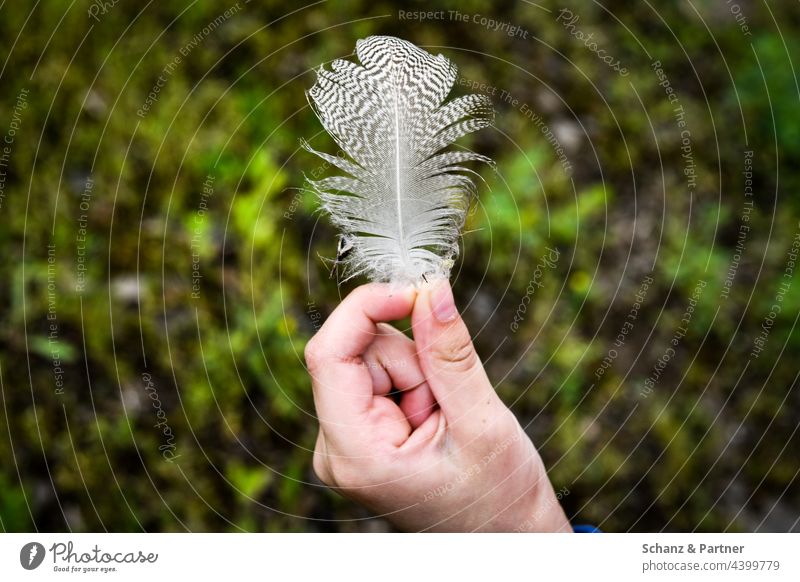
450	456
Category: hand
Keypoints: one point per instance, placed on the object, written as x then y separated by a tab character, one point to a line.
450	456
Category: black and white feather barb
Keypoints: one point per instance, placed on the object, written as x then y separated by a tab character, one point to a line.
403	201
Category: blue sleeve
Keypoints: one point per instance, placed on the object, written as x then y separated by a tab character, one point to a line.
585	528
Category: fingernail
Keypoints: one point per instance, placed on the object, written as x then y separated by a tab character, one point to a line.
442	303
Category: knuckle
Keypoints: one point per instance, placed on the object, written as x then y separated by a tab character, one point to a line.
458	353
311	353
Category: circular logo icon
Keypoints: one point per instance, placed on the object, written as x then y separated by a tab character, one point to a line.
31	555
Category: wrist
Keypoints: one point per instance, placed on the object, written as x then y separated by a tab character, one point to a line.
545	513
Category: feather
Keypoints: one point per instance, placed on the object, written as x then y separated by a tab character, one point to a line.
403	200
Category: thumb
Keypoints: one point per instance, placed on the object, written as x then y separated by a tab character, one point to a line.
447	357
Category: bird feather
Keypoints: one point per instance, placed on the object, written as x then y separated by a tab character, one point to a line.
404	198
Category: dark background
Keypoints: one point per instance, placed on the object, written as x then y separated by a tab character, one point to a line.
132	400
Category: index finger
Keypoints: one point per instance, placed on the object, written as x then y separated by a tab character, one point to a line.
342	384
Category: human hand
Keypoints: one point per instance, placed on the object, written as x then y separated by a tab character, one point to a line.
450	456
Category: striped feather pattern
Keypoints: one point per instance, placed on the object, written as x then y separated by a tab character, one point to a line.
402	200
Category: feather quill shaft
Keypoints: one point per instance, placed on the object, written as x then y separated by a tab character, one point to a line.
404	197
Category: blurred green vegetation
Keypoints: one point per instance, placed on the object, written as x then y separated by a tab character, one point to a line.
713	447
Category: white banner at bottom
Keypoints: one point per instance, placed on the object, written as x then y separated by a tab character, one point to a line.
406	557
